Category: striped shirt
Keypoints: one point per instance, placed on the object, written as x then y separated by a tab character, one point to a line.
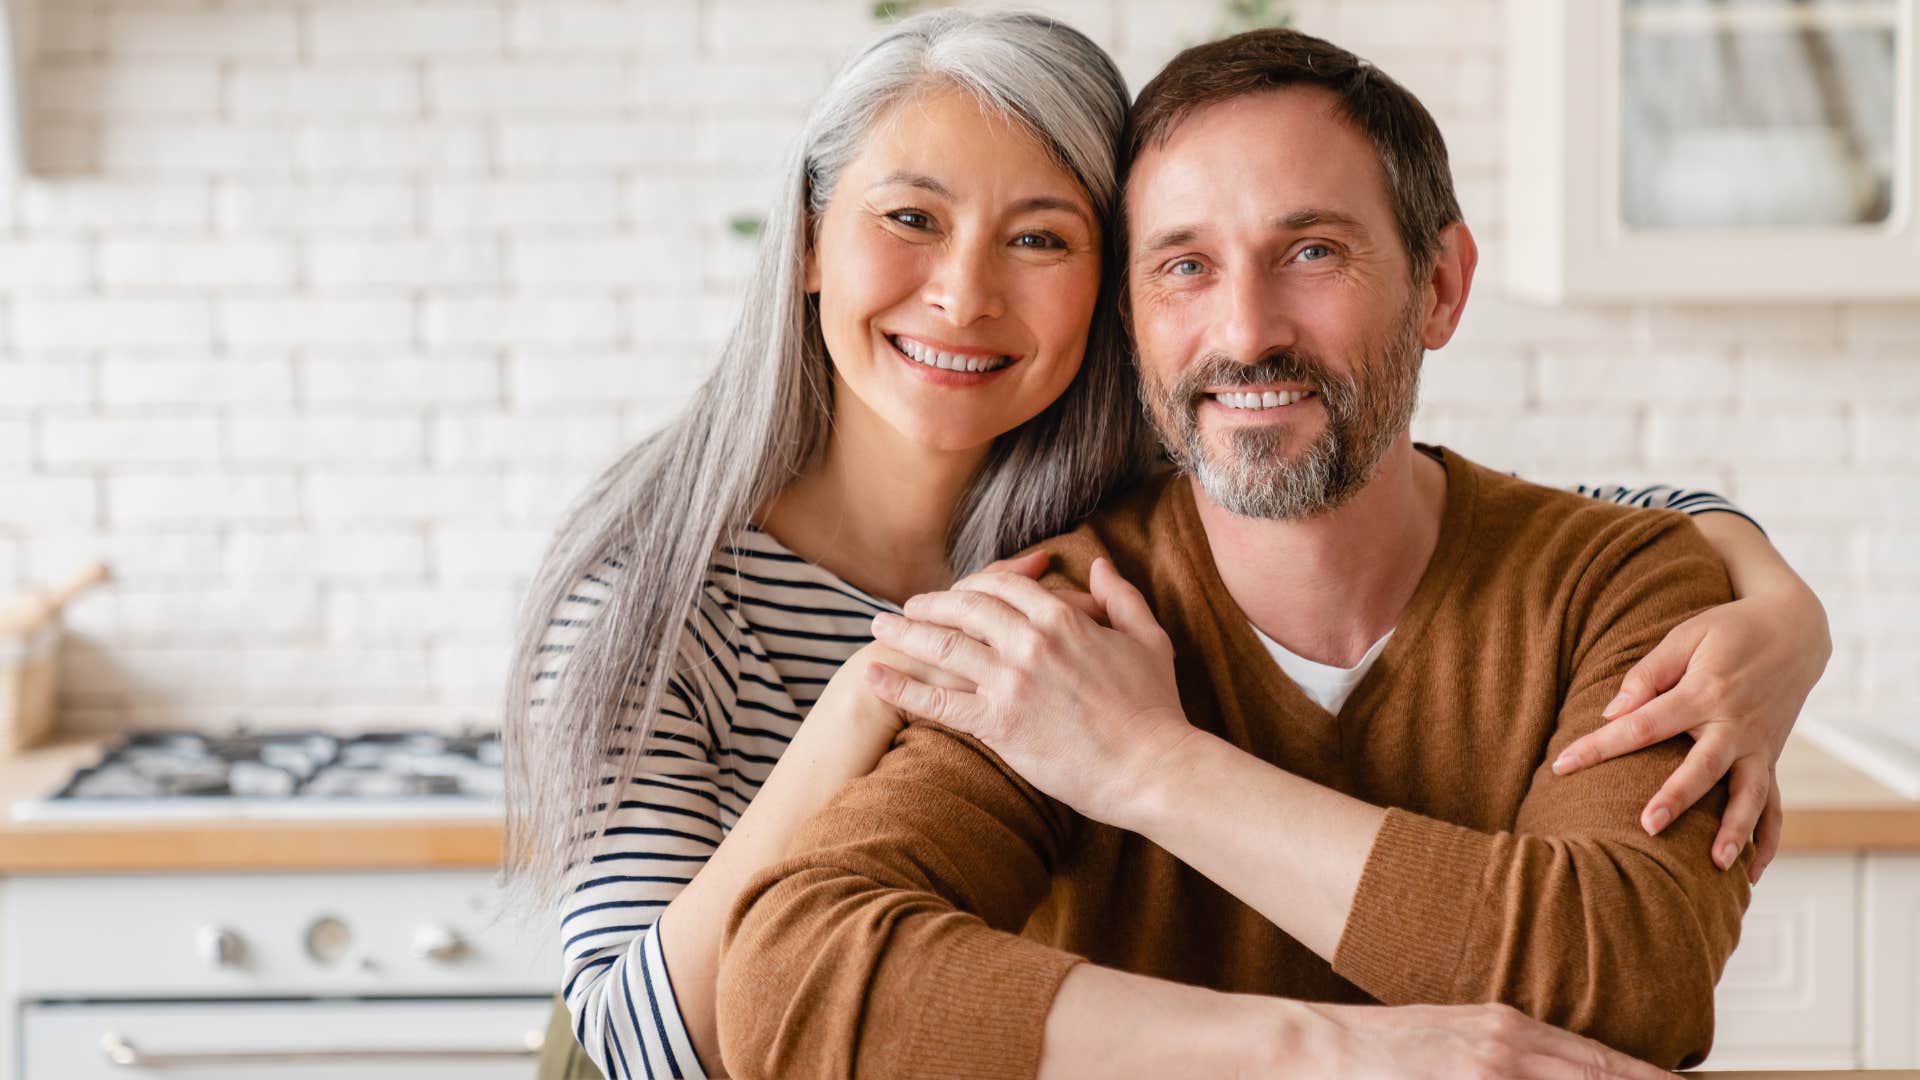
777	627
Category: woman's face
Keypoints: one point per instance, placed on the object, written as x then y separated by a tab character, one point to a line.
957	266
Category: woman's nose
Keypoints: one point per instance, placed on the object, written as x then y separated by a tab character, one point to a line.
965	284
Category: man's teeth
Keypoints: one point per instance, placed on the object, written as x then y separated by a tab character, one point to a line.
1269	399
920	354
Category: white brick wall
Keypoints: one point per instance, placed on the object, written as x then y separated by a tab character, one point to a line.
319	311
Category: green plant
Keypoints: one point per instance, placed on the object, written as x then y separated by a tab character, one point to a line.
1240	16
894	9
746	224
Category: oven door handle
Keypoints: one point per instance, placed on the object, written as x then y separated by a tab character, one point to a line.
120	1051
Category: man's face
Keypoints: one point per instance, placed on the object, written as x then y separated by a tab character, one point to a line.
1277	329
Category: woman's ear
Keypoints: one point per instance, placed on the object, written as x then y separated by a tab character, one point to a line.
811	264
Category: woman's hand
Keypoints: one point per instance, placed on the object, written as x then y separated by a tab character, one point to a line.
1489	1040
1080	710
1734	677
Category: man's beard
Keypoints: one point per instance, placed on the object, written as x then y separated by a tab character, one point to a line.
1366	412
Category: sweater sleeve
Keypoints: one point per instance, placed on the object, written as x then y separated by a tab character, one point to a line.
667	824
886	946
1573	915
1666	497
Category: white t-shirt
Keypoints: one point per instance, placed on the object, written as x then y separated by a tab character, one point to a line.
1327	686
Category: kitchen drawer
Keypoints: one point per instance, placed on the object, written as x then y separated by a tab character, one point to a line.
298	1040
1789	996
159	935
1892	1015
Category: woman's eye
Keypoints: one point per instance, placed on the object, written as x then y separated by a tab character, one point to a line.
912	219
1039	241
1185	268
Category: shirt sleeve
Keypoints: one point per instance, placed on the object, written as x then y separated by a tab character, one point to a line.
1666	497
1574	915
615	981
889	945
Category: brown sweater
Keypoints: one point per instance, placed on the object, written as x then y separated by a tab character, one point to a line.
928	916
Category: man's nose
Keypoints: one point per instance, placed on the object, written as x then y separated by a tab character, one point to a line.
1254	320
965	283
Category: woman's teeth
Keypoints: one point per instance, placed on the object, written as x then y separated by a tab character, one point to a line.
1269	399
920	354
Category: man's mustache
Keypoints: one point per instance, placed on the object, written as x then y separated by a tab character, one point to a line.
1219	370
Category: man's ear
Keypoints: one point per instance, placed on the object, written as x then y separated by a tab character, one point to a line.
1448	283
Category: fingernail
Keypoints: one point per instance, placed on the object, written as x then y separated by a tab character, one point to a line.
1614	706
887	621
1729	851
1564	764
1658	819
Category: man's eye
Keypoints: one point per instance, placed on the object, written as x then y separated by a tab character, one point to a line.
1307	253
912	219
1185	268
1039	241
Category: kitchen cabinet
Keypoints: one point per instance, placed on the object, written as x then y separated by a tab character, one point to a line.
1746	150
16	54
1890	962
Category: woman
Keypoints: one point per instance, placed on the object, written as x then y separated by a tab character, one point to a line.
928	374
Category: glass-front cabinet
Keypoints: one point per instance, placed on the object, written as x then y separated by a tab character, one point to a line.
1713	149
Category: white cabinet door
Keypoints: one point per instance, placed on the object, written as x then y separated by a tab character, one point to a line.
1892	1015
1789	996
314	1040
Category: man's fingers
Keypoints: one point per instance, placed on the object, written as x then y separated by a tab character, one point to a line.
911	696
1024	595
1705	764
1126	608
1032	564
1750	781
982	616
1766	839
1655	722
1085	603
943	647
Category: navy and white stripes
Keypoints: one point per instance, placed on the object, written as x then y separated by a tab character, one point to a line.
776	628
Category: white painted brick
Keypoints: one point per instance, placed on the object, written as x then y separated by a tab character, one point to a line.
1875	324
144	616
442	149
225	32
378	263
522	204
1487	378
146	203
672	318
1571	375
356	555
67	29
370	384
338	495
710	85
311	321
336	90
575	435
1491	320
522	319
1895	553
560	146
338	30
1892	673
828	27
16	446
1874	494
1827	377
233	678
654	28
123	442
1883	437
196	148
251	382
40	384
246	264
1155	31
564	381
167	557
471	676
319	206
1803	436
622	261
1799	324
267	439
41	323
757	144
193	499
10	578
1830	551
127	89
64	146
1376	29
44	264
575	88
41	501
390	615
1593	437
465	555
538	496
657	203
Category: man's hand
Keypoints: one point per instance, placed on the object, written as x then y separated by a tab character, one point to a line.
1080	710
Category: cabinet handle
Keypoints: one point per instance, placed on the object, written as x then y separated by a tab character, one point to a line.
120	1051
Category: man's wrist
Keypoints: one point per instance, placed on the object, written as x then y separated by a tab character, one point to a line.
1162	790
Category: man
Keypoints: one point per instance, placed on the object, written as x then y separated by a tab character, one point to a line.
1246	861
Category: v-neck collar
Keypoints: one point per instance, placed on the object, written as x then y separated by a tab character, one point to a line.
1436	582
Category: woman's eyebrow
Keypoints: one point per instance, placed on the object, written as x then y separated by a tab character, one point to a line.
912	179
1052	202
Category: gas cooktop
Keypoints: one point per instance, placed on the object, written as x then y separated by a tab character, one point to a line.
303	774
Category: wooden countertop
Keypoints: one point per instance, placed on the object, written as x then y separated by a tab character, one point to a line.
1830	807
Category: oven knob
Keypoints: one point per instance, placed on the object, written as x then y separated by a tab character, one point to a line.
220	946
435	941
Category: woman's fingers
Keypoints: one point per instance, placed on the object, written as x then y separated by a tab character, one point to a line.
1749	781
1589	1056
953	708
1655	722
1705	764
1766	839
1030	598
943	647
1658	671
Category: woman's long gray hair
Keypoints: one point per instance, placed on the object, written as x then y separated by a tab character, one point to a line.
666	506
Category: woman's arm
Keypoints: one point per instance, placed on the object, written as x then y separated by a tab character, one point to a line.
1734	678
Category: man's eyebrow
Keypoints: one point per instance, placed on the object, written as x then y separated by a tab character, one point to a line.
1307	219
913	179
1177	236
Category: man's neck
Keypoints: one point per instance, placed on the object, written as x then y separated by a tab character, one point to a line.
1329	586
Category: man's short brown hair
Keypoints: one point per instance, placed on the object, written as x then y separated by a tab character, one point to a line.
1413	156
